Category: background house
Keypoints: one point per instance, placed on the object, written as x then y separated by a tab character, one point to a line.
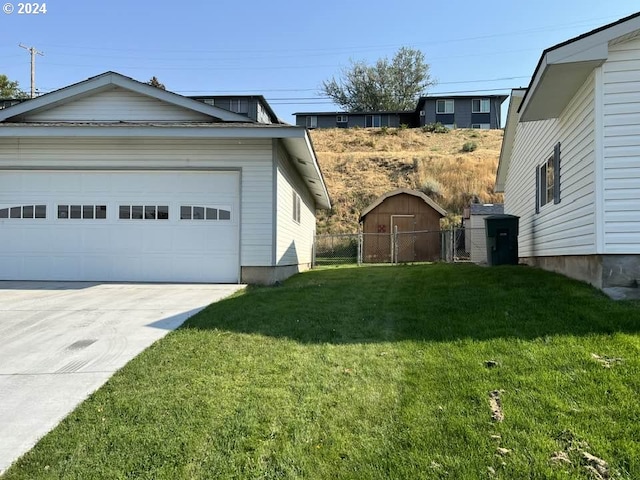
461	111
417	220
111	179
569	161
479	111
254	107
355	119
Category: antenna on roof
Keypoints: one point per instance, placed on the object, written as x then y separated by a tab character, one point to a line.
33	52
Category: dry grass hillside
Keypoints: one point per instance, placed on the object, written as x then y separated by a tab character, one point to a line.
360	164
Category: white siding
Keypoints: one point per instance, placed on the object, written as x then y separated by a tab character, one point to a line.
567	228
621	146
478	239
253	157
116	105
294	240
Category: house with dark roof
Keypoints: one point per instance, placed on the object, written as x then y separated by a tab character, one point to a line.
458	111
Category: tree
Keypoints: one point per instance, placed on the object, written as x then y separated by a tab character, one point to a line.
154	82
387	85
10	89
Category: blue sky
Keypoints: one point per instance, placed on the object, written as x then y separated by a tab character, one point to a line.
284	49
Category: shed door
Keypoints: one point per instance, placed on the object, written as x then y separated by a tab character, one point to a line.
405	247
167	226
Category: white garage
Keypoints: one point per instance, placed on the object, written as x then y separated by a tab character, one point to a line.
114	226
111	179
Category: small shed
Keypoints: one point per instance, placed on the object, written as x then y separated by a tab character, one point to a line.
476	233
416	219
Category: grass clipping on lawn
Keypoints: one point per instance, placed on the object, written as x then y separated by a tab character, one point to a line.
372	373
361	164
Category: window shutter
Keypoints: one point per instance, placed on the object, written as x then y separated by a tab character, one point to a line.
537	190
556	173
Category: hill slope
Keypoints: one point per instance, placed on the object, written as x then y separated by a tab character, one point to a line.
361	164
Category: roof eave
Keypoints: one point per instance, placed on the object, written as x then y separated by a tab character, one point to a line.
104	82
306	163
508	138
563	68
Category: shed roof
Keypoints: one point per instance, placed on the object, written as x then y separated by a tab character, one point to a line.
400	191
486	208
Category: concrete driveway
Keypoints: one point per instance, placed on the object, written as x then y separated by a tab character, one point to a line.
60	341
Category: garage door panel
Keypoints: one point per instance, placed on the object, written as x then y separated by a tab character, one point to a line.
92	184
114	249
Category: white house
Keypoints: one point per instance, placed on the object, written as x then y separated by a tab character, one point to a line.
570	160
111	179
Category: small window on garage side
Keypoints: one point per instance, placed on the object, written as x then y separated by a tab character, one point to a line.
296	207
26	212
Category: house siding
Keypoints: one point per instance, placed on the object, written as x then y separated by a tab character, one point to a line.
567	228
621	149
117	104
294	241
254	158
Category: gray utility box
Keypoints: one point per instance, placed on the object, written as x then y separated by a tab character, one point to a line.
502	239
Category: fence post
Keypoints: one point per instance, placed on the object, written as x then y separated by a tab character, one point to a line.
452	234
394	260
360	242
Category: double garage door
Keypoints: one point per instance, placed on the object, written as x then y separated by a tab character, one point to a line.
151	226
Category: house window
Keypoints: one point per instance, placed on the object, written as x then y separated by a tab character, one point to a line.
312	121
342	118
200	212
444	106
480	105
482	126
143	212
296	207
24	212
548	180
82	211
372	121
238	105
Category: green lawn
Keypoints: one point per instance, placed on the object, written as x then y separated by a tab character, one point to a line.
372	373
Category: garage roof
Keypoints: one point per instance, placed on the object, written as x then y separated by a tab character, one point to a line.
224	125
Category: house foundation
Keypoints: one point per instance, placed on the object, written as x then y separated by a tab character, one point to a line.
601	271
270	275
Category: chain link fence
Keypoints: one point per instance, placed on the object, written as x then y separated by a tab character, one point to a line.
336	249
453	245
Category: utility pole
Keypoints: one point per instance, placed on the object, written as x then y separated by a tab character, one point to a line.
33	52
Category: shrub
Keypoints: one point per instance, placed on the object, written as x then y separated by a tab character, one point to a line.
435	128
431	187
469	146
